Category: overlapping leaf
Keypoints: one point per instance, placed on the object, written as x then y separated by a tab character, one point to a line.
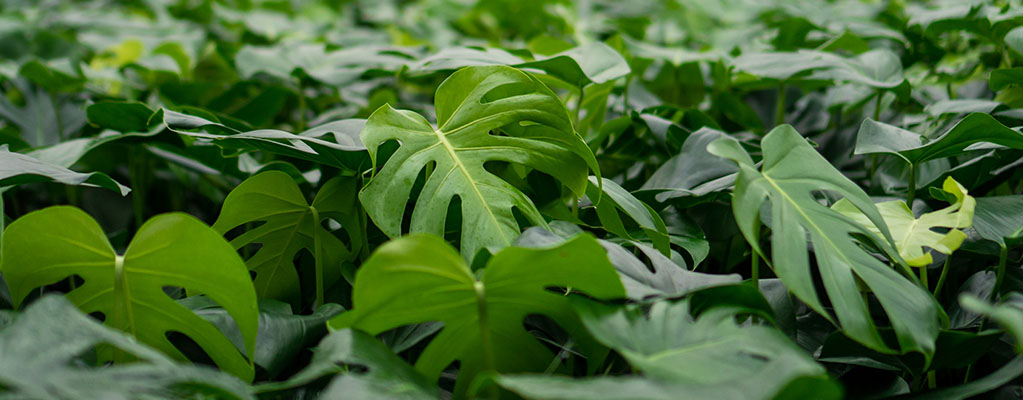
291	224
912	234
420	279
791	172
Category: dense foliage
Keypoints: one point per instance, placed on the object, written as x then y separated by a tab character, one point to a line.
601	199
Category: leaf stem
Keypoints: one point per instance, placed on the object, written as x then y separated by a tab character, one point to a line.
579	105
1003	254
57	118
944	273
488	347
317	256
779	110
301	107
136	172
923	277
877	106
911	186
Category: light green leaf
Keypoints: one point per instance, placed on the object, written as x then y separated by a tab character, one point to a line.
594	62
42	348
53	244
291	224
537	132
1014	40
878	137
792	171
912	234
1008	314
420	278
682	357
17	168
335	68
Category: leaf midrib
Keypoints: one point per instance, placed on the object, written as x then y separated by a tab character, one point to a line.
469	179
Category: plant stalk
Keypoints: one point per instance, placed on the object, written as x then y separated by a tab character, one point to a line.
488	348
317	256
779	110
579	106
301	107
911	186
944	273
999	273
877	106
56	117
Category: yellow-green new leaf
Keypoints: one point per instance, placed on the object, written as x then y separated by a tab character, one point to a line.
912	234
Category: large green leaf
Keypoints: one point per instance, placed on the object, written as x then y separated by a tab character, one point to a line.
388	376
473	105
420	278
682	357
878	137
42	359
290	225
17	168
53	244
336	68
999	217
912	234
792	171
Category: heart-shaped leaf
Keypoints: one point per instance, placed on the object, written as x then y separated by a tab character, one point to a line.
791	172
484	114
420	278
53	244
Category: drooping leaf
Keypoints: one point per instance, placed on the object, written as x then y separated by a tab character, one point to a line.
791	172
537	132
694	171
17	168
1008	314
877	137
334	143
1011	370
53	244
388	376
42	346
682	357
337	68
912	234
290	225
420	278
662	278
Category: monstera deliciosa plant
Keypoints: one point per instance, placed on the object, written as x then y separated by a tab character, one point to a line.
413	199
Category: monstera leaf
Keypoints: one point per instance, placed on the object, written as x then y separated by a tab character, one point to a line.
912	234
792	170
484	114
291	224
877	137
53	244
420	278
41	352
682	357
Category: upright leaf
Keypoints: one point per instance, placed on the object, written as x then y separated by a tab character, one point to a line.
291	224
484	114
792	171
420	278
53	244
